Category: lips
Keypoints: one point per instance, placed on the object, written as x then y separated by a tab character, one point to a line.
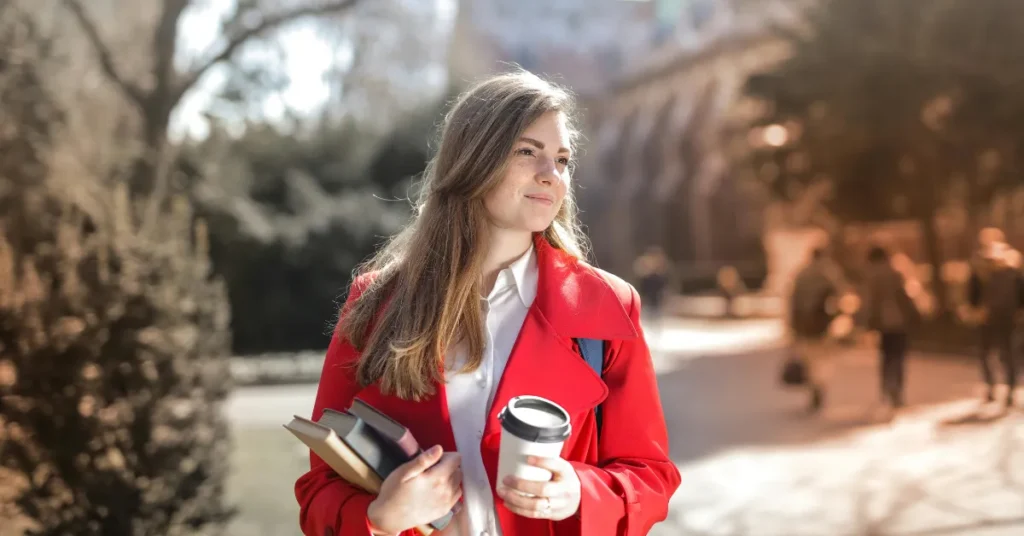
541	198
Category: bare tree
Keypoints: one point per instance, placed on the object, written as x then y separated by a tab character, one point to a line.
398	64
159	94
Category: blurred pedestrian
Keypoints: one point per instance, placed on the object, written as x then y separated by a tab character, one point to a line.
812	307
730	285
995	293
889	311
652	270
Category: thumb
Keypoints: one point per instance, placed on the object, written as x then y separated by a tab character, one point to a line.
421	463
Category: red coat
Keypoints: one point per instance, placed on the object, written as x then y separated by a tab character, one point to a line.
627	477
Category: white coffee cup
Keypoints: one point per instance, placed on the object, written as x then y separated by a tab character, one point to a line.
530	426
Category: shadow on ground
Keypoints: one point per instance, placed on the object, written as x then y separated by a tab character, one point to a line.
725	401
735	400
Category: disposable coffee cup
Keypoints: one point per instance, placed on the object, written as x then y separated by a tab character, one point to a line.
530	426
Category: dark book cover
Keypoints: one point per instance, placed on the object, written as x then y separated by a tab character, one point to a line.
386	426
373	448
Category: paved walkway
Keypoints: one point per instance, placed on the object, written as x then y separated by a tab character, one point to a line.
712	305
755	464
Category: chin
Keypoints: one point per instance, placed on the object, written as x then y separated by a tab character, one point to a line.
527	224
539	227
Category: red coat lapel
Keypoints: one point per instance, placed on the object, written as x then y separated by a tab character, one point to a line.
577	300
573	301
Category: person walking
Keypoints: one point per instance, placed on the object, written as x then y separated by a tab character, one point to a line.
892	314
995	291
812	307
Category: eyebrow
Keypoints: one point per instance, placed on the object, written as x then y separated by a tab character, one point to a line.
540	145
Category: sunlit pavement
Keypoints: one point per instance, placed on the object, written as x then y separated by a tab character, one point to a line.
753	462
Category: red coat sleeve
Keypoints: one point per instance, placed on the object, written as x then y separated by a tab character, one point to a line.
329	506
628	491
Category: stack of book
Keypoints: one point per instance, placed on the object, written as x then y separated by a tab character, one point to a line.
363	446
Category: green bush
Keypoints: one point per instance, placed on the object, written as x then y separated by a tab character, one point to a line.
292	216
114	363
113	345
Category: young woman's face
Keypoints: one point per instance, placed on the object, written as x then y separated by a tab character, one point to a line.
536	180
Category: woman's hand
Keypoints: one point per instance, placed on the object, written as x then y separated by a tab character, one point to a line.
417	492
555	499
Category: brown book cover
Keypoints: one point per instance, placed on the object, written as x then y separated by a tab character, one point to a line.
328	445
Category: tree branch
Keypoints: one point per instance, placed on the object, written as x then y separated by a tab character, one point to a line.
165	43
265	25
133	91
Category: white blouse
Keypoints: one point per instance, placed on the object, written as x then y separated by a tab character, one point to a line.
505	310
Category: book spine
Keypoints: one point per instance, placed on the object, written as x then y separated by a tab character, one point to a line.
408	445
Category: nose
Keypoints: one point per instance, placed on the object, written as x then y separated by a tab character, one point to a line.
547	170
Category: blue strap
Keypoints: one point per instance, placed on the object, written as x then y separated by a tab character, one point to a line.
593	354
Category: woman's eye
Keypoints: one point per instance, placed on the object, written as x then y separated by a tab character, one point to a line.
525	151
563	161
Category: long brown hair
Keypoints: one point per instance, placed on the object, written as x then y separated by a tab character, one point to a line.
426	287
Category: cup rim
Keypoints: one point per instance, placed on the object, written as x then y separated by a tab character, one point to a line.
514	424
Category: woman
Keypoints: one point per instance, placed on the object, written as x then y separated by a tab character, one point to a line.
477	301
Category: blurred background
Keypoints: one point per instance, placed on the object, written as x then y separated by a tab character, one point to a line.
187	185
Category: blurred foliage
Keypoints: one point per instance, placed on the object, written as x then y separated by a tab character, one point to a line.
899	106
887	97
114	313
293	205
292	215
114	340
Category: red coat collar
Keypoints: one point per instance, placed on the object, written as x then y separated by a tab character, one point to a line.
576	300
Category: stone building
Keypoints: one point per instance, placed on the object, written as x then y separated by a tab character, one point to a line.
657	171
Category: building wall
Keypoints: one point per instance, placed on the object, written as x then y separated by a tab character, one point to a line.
579	43
657	170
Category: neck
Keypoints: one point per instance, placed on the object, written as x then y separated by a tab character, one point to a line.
503	248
